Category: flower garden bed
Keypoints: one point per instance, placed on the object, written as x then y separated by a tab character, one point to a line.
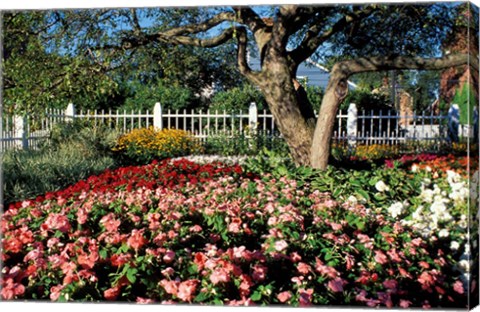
181	232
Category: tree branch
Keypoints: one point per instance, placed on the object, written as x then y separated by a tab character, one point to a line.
136	25
251	19
243	66
202	27
313	38
223	37
383	63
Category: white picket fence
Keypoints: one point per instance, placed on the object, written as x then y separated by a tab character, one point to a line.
352	126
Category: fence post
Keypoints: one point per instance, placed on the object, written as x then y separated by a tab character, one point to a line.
20	130
453	122
70	112
252	118
352	117
157	116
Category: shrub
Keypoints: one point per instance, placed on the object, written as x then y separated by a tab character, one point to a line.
31	173
92	139
74	151
144	97
141	146
365	100
238	98
243	143
465	99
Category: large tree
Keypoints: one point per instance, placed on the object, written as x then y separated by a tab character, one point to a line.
50	58
351	38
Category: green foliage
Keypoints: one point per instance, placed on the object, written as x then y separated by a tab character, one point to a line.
239	144
422	86
75	152
315	96
365	100
88	137
32	173
466	99
36	77
144	96
237	99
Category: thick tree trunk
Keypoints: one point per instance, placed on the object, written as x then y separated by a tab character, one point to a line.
335	93
294	123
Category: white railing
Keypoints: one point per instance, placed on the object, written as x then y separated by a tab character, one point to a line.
351	125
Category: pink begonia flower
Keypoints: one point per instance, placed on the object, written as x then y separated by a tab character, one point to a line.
298	280
238	252
361	296
57	221
82	215
280	245
136	239
220	275
195	229
88	260
295	257
284	296
458	287
404	303
169	256
53	242
55	292
336	226
336	285
425	279
170	287
404	273
303	268
160	239
326	270
68	267
168	271
186	290
394	256
141	300
390	284
10	289
277	233
172	234
111	294
426	305
259	272
154	221
245	285
424	264
235	225
380	257
305	298
349	262
373	302
385	298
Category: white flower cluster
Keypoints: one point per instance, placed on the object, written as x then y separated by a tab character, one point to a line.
397	209
459	190
204	159
381	186
432	217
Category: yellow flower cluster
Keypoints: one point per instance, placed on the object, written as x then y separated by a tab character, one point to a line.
374	151
158	143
